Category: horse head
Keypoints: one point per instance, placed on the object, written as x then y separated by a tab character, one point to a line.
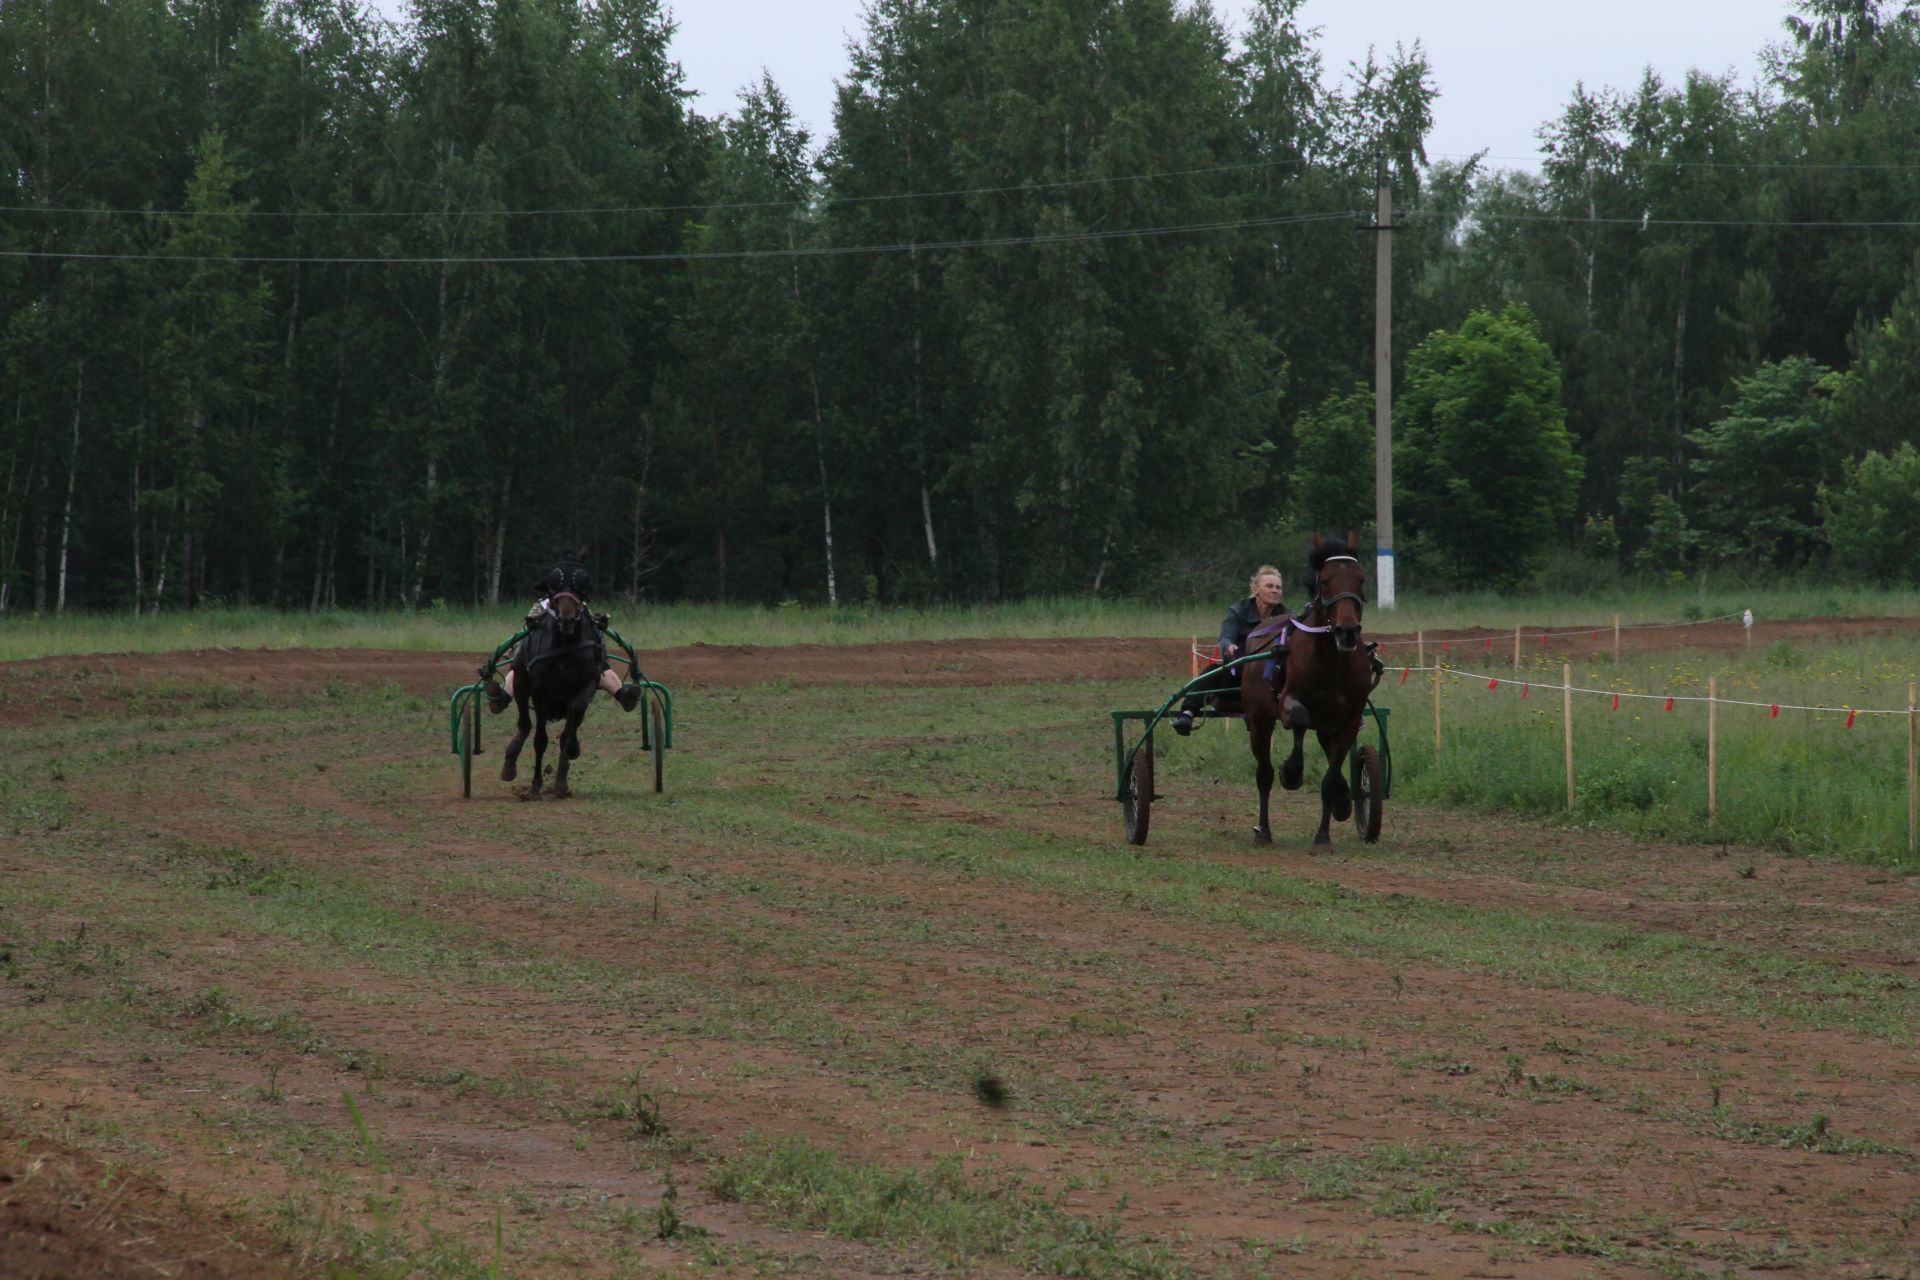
1338	586
567	612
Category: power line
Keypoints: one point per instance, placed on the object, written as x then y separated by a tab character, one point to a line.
714	256
1470	215
825	201
1792	166
828	200
915	246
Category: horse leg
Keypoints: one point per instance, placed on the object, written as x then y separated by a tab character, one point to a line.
510	765
1337	756
539	757
1336	797
1294	766
1260	733
569	750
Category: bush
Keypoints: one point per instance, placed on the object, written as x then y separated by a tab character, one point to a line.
1873	516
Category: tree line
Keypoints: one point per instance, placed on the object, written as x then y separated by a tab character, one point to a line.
302	307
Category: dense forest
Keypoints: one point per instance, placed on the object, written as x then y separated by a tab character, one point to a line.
299	306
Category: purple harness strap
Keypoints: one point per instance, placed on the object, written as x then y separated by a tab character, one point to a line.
1292	624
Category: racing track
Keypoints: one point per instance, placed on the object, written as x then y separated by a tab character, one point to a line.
1662	1132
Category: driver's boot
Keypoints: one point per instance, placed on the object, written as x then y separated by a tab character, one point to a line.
628	696
498	699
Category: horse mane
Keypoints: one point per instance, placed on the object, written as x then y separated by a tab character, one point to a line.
1318	556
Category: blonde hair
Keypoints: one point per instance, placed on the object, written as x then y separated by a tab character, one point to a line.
1253	583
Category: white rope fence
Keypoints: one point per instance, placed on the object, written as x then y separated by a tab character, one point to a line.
1206	655
1202	657
1670	699
1711	700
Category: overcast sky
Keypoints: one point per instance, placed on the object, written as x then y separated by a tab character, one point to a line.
1502	66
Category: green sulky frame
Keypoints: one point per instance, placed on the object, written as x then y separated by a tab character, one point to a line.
457	703
1123	757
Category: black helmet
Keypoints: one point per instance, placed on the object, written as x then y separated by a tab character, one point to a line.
568	575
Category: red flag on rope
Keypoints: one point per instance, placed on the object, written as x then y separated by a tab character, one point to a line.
1494	683
1775	713
1446	644
1669	704
1525	689
1403	674
1543	637
1616	702
1487	643
1851	713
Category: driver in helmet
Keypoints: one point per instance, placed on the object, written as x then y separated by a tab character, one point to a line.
572	578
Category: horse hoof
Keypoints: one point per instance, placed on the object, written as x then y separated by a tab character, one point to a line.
509	769
573	750
561	792
1342	810
1320	841
1262	836
1290	776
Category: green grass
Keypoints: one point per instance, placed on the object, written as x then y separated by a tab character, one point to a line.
653	626
1801	782
960	1219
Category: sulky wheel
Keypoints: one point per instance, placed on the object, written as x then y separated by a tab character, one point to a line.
469	742
1367	795
659	744
1136	805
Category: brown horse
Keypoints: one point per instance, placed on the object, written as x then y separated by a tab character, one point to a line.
1322	685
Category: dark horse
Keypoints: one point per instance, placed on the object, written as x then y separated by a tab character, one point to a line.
1322	685
556	673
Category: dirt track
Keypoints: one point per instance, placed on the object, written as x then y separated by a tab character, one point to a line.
1592	1112
268	673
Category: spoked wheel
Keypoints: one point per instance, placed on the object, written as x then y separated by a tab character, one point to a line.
1367	793
1136	804
659	727
469	743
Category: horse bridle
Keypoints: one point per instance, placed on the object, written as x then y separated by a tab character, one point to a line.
1325	604
580	608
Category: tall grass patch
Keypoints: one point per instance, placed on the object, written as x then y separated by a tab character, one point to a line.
1799	780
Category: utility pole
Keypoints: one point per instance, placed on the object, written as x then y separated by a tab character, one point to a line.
1383	389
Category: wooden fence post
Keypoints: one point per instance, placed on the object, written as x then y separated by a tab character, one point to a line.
1439	670
1516	648
1913	773
1616	637
1713	727
1566	708
1420	648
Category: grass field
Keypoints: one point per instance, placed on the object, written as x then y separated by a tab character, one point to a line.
1800	782
876	988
